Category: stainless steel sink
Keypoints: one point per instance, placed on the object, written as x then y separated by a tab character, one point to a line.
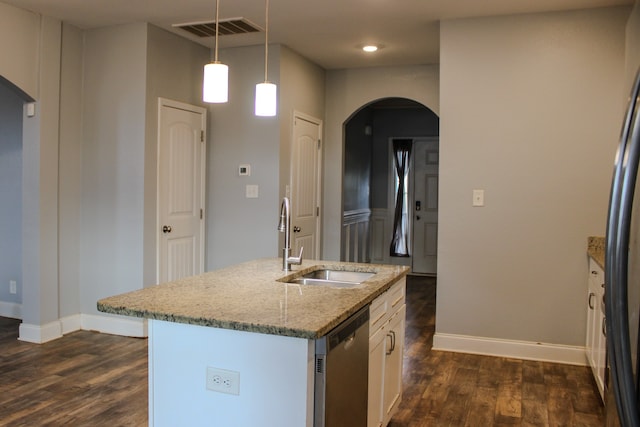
333	278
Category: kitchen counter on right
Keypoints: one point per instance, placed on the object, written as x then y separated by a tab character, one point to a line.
595	249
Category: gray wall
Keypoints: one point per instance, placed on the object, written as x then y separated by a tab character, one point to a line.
70	173
238	228
126	69
114	99
530	112
20	31
358	153
174	71
10	192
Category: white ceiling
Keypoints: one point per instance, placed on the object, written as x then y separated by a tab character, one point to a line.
328	32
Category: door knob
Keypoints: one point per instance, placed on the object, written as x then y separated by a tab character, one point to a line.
166	229
296	229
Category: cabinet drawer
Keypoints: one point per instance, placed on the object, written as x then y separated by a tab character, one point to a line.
383	307
378	313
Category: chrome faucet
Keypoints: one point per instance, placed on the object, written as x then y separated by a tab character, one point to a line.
285	226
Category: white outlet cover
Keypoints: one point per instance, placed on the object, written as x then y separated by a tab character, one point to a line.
223	381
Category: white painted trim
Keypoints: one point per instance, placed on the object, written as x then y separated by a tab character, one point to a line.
527	350
11	309
40	334
71	323
128	327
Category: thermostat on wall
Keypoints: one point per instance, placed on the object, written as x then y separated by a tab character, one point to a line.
244	170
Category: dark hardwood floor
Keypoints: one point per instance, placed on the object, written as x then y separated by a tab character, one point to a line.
92	379
456	389
82	379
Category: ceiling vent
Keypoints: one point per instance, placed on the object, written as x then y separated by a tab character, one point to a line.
226	27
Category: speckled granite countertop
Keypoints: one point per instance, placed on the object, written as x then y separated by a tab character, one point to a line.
253	297
595	249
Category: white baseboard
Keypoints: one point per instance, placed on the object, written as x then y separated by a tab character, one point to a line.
129	327
40	334
571	355
71	323
10	309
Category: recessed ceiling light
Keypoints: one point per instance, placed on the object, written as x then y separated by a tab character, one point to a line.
370	48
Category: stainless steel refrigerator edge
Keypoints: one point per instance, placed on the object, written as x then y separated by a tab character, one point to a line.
622	275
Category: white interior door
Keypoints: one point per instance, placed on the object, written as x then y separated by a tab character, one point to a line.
425	205
305	186
181	176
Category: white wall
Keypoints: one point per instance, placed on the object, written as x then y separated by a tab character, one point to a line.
530	112
347	91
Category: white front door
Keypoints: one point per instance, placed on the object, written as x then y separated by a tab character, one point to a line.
181	177
305	186
425	205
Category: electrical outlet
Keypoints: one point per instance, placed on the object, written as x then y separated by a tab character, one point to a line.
223	381
13	287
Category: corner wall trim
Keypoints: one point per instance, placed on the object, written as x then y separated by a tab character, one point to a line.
526	350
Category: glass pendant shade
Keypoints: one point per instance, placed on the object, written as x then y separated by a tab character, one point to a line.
215	88
266	99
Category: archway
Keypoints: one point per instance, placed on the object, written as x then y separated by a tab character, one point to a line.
367	170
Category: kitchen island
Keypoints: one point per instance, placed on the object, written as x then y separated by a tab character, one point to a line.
243	325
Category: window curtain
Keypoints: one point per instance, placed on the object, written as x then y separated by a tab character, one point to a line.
400	238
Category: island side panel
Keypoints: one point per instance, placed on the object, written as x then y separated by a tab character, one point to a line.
276	377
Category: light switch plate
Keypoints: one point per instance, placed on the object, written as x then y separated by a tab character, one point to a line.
244	170
478	197
251	191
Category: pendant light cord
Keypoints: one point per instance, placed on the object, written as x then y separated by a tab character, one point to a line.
266	39
217	23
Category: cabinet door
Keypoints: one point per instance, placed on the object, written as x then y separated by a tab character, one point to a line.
393	363
377	352
592	323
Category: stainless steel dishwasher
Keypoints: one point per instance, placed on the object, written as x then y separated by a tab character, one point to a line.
341	374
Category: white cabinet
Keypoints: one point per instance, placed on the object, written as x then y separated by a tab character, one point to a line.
386	348
596	342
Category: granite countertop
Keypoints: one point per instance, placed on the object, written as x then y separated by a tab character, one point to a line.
595	249
253	297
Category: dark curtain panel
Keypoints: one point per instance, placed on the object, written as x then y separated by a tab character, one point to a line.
400	238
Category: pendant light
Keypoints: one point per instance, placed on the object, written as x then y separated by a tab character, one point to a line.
266	98
215	87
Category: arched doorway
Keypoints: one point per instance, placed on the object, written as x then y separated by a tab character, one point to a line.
368	174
